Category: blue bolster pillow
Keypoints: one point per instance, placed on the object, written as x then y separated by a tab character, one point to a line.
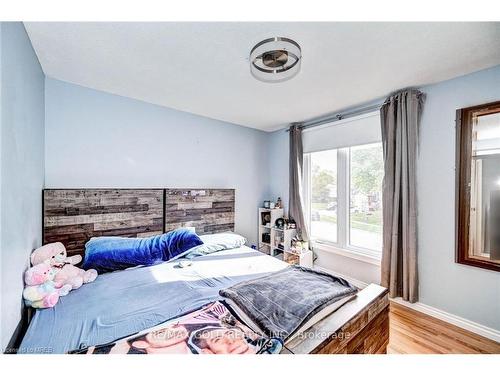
106	254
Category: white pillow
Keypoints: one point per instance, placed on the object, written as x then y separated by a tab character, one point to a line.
216	242
229	240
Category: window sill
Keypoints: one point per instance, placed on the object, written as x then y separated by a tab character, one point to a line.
353	254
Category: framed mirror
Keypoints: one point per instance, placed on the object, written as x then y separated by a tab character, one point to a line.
478	186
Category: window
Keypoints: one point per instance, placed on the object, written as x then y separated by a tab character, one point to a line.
343	190
324	195
366	171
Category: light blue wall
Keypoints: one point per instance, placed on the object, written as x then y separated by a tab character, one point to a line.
22	161
279	165
95	139
468	292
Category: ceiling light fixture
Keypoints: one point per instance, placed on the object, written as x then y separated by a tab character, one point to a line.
275	59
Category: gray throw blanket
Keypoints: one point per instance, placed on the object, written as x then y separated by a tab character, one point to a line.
280	303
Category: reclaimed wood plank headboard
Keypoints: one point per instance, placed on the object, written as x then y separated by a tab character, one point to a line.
209	211
73	216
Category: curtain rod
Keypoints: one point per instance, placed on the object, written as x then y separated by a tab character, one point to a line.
338	116
358	111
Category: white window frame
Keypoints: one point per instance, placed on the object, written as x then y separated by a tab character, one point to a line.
342	245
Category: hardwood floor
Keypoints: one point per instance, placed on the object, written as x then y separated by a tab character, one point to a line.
412	332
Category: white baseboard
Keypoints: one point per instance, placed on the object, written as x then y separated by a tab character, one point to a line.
466	324
357	283
458	321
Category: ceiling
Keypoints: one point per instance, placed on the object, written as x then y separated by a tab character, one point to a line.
203	67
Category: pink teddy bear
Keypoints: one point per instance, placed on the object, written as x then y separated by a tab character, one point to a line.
54	254
41	291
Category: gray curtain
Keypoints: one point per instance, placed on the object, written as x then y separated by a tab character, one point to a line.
400	118
296	201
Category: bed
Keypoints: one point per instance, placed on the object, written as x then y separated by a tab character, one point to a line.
132	300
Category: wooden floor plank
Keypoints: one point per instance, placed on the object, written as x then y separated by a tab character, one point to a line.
412	332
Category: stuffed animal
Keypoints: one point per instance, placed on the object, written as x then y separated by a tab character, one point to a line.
41	291
54	254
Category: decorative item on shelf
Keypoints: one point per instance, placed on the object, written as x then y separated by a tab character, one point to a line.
291	258
302	257
280	223
278	239
278	203
266	238
297	244
266	204
265	218
271	205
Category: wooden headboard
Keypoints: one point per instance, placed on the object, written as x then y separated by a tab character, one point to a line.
73	216
208	210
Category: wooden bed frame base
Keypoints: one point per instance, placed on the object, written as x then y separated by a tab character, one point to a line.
361	326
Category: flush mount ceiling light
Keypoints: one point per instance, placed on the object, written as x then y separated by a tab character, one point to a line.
275	59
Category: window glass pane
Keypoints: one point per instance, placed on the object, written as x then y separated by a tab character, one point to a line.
324	195
366	174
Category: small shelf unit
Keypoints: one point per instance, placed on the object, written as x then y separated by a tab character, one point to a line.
267	231
277	242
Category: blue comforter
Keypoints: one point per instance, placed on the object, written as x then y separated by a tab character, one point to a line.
119	304
106	254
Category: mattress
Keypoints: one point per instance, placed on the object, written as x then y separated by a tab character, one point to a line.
121	303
